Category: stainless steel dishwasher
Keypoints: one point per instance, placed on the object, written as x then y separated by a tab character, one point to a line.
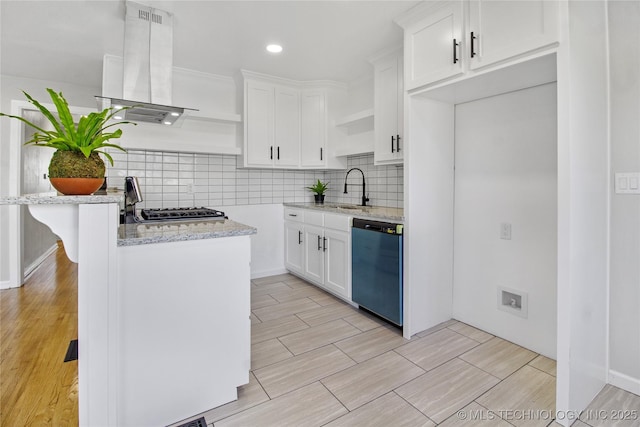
377	268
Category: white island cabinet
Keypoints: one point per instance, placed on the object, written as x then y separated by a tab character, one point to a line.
163	310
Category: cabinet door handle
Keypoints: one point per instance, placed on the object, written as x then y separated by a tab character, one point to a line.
473	50
319	243
293	214
278	152
320	153
299	237
271	152
397	143
324	244
455	51
392	146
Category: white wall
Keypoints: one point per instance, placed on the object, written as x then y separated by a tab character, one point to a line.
267	247
624	328
428	239
37	237
505	172
583	199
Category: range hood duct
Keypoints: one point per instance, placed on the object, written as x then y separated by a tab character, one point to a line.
148	68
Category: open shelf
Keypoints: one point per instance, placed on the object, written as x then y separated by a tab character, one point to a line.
359	118
217	117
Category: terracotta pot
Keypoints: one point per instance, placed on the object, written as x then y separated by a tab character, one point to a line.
76	186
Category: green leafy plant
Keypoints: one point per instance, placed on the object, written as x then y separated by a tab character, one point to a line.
319	187
87	136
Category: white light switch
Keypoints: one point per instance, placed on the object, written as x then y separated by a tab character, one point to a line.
505	231
627	183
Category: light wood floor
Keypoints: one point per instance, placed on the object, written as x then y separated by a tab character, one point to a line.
316	361
37	322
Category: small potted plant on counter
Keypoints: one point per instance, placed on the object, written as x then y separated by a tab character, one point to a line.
319	188
76	167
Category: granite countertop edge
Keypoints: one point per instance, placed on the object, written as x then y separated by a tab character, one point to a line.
53	198
356	213
127	234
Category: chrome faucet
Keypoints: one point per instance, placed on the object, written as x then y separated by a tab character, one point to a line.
365	199
132	195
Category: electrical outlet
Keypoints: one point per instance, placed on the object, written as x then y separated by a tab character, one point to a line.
505	231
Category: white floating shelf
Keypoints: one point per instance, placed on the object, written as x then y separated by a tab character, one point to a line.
217	117
352	151
356	118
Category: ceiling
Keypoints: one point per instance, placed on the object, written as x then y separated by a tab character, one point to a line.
65	40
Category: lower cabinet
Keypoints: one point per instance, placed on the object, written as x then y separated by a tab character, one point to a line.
294	250
318	248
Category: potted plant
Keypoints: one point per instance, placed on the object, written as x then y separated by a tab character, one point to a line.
76	167
319	188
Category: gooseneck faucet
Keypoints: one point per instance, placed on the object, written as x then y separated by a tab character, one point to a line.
365	199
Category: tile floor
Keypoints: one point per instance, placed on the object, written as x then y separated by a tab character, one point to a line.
317	361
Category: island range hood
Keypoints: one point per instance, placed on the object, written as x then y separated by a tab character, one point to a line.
148	68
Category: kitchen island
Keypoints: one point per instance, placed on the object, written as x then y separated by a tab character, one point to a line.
163	310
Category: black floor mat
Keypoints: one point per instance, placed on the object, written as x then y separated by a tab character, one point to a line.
72	351
200	422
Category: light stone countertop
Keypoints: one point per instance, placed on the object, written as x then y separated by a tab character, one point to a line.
52	198
178	231
380	213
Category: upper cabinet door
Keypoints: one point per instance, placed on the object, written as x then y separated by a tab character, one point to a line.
259	124
313	128
433	46
503	29
287	127
388	105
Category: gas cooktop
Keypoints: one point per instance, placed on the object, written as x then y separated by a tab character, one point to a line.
169	214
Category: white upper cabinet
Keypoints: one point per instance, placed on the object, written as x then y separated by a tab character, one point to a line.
499	30
287	123
433	46
272	125
447	39
313	129
388	107
287	127
259	124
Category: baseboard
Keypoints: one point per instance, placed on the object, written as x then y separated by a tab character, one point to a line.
625	382
35	264
6	284
265	273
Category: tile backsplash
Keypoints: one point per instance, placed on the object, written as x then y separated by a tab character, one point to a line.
170	179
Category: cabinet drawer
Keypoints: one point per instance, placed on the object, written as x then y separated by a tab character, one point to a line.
337	222
314	218
293	214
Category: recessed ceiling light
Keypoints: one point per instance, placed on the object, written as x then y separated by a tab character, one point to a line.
117	117
274	48
167	123
174	114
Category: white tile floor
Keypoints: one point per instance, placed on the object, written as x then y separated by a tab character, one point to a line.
317	361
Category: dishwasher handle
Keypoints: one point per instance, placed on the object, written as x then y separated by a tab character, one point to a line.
378	226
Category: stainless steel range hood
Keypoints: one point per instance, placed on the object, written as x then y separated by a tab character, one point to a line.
148	68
